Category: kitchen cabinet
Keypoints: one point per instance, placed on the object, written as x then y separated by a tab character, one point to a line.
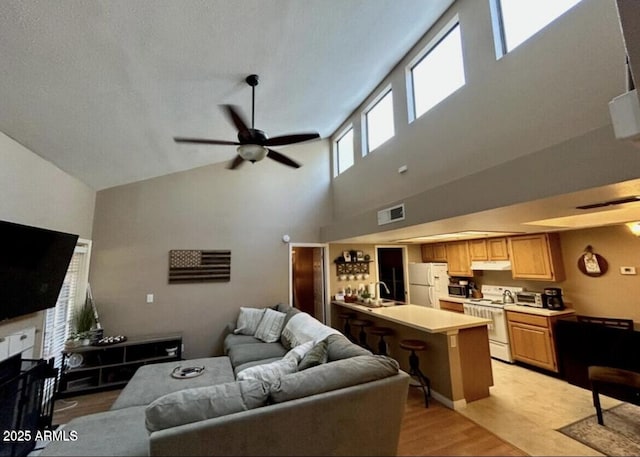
458	259
532	339
434	252
489	249
537	257
447	305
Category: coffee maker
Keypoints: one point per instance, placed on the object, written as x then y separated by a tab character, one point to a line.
552	298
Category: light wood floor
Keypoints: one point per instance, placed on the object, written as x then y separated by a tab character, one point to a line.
436	430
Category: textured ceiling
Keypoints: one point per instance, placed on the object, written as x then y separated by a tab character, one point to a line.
99	88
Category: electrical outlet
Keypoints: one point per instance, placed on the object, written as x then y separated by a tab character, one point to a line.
454	341
149	298
627	270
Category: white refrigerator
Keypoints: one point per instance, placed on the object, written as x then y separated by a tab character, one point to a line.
428	283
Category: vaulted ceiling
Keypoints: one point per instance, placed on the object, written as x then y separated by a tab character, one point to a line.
100	88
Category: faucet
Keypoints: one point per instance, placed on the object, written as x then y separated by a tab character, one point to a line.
385	288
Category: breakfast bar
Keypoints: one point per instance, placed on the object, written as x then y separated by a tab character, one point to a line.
457	358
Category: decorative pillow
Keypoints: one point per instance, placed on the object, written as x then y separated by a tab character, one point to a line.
248	320
269	372
270	326
193	405
317	355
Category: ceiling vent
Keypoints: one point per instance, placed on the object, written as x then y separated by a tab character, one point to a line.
618	201
389	215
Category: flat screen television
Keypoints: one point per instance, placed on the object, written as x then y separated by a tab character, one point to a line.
33	264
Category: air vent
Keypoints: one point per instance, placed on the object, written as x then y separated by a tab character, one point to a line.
619	201
389	215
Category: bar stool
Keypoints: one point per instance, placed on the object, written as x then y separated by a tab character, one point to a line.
381	332
347	316
414	365
362	336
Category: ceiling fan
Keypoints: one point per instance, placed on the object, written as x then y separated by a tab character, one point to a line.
253	144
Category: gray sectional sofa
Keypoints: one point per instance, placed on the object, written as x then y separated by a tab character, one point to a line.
352	404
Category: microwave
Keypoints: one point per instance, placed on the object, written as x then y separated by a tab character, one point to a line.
530	299
458	290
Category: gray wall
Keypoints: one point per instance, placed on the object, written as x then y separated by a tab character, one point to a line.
35	192
549	94
246	211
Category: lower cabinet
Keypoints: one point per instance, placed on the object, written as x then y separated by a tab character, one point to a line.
532	339
456	307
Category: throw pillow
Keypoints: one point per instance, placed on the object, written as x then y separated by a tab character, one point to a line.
270	326
193	405
248	320
269	372
316	356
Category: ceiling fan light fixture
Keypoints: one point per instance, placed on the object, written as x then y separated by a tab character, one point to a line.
252	152
634	227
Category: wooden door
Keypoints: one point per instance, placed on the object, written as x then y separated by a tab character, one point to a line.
530	257
497	249
532	344
478	250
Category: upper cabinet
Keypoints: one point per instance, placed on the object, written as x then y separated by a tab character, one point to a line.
488	249
435	252
458	258
536	257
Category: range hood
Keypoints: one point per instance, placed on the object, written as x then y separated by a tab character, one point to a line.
497	265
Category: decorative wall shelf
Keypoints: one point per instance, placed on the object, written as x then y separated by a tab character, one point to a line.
353	268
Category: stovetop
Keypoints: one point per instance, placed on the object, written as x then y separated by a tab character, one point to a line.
493	295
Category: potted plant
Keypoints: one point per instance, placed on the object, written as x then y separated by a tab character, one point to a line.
83	322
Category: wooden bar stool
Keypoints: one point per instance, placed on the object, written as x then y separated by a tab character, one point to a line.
381	332
414	365
607	375
347	316
362	336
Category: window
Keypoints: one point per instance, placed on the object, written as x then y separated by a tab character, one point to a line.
438	73
72	294
379	121
515	21
344	151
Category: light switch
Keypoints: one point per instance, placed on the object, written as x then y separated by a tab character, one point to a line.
627	270
149	298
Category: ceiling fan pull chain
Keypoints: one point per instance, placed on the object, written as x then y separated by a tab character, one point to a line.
253	105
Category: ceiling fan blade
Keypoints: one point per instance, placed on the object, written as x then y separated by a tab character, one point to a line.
204	141
290	139
275	155
235	163
235	117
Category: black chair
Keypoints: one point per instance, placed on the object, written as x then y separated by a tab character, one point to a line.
599	376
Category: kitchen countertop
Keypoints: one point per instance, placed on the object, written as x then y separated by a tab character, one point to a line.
539	311
420	317
454	299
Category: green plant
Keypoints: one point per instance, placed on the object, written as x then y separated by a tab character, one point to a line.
83	320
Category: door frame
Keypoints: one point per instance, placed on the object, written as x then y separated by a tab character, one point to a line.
405	265
326	309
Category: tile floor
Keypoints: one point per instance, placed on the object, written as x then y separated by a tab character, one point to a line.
526	407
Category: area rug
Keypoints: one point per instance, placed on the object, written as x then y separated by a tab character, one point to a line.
620	434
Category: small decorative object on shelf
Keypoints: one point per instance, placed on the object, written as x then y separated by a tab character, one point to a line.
346	255
108	340
360	256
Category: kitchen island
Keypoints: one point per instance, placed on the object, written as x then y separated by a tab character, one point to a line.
457	359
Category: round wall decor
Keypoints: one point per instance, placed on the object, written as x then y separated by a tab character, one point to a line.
592	264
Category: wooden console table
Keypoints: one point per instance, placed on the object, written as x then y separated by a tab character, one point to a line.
87	369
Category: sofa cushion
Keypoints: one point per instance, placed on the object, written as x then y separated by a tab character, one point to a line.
193	405
153	381
244	366
118	433
270	326
248	320
317	355
332	376
244	353
271	372
234	340
302	328
339	347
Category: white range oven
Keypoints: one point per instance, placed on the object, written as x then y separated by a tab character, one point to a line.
491	306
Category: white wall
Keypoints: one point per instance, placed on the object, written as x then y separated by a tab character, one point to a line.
546	94
247	211
35	192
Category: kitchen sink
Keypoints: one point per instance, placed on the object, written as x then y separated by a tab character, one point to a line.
378	303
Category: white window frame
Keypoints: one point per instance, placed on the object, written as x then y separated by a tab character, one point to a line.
388	89
76	297
336	150
431	45
499	37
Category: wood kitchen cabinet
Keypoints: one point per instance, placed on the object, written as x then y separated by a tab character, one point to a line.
447	305
532	340
488	249
458	259
434	252
536	257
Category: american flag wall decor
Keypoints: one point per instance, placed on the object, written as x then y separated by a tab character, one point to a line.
199	266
